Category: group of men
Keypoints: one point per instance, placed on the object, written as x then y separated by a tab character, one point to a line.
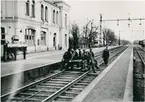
84	55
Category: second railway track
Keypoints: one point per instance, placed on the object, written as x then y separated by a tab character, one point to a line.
139	74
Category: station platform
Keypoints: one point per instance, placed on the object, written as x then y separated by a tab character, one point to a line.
35	60
113	84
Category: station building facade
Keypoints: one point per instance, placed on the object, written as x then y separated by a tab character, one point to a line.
41	24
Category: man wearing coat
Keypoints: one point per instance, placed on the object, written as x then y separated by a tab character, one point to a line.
105	55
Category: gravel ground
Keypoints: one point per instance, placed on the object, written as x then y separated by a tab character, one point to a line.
112	86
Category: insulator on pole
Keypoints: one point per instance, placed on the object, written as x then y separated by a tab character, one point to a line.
129	25
140	22
117	22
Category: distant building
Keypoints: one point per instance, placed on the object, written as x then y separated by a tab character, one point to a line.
41	24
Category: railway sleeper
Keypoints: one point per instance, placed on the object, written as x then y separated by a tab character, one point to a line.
25	94
73	88
84	84
66	97
53	84
69	94
69	80
64	77
58	82
39	97
48	87
58	99
32	100
79	86
42	90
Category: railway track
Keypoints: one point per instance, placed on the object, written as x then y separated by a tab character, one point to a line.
60	86
141	54
139	74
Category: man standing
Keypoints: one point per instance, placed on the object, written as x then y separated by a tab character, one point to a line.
105	55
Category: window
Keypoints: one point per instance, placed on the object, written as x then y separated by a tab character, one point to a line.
33	8
43	38
27	7
42	12
30	37
46	14
57	17
53	16
66	20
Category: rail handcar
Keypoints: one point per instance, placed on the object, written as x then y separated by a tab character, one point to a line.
79	63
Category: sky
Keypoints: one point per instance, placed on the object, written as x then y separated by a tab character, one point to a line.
84	10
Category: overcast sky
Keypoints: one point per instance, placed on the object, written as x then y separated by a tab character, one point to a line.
85	10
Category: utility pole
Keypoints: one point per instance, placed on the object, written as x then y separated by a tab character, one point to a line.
100	26
119	39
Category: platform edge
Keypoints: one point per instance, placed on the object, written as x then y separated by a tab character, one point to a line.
128	93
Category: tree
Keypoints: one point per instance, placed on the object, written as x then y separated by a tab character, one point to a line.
75	36
93	35
124	42
86	32
108	36
90	32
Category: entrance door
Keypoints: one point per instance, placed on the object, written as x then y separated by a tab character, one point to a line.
54	40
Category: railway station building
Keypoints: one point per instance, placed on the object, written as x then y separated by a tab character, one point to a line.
41	24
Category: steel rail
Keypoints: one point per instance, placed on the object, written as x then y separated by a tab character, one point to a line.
140	56
111	50
30	97
57	93
31	84
142	49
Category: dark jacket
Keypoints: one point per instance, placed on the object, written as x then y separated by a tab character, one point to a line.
92	53
80	55
105	54
85	56
75	55
67	56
